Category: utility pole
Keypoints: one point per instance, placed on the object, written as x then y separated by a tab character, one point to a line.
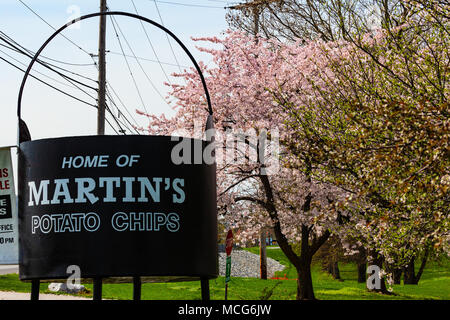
255	10
102	71
97	282
252	4
255	7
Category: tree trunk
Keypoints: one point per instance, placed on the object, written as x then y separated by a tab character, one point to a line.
377	260
410	274
305	290
263	254
422	265
302	263
333	269
362	270
329	267
397	275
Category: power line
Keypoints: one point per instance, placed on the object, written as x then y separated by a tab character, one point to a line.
44	64
72	42
108	94
140	65
117	119
151	45
59	90
71	72
94	63
128	66
68	63
167	36
38	72
108	84
147	59
36	14
107	121
188	5
46	83
252	4
21	49
24	52
72	82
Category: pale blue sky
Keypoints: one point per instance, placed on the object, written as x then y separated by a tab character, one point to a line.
50	114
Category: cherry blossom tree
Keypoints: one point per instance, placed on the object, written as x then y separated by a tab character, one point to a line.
259	184
362	129
381	122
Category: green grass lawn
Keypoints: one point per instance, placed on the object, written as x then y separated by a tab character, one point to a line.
435	284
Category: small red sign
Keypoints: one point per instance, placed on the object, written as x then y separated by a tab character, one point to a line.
229	243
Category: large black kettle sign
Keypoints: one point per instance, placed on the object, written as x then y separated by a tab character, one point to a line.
116	206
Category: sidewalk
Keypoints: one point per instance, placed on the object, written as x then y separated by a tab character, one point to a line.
9	268
6	295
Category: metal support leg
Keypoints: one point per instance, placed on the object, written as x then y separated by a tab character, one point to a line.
97	289
35	284
205	289
137	288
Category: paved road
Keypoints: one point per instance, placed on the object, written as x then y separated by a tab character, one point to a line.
9	268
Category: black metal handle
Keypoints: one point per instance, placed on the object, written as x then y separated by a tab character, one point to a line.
111	13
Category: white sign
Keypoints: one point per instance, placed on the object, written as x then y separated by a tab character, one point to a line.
9	241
